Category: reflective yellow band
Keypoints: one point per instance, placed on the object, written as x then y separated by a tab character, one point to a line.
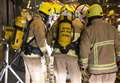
84	60
95	55
104	68
118	53
104	65
43	49
72	53
104	43
92	45
99	44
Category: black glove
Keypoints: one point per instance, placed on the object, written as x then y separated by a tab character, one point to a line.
85	75
27	50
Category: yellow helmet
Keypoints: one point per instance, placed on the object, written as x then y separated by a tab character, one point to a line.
20	21
68	11
46	8
111	13
57	7
94	10
68	8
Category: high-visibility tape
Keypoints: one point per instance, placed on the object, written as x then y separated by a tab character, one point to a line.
100	44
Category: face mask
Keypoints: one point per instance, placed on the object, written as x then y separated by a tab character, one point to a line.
118	28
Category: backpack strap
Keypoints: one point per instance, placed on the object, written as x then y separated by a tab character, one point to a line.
26	47
26	32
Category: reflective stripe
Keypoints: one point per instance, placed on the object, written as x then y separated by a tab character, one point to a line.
29	38
95	55
43	49
118	53
71	53
77	35
92	45
99	44
104	65
104	68
84	60
105	43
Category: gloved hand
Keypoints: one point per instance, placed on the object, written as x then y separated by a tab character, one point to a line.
27	52
84	72
47	59
85	75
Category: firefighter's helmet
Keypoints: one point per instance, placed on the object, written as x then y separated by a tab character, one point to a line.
46	8
94	10
68	8
82	9
68	11
111	13
57	8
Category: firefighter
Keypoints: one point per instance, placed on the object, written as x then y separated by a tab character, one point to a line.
112	17
52	17
35	53
80	13
34	72
66	60
99	46
36	64
82	9
118	28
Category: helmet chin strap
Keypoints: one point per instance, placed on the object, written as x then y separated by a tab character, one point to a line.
44	17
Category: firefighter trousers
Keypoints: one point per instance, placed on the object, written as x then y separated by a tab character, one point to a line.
35	71
103	78
66	65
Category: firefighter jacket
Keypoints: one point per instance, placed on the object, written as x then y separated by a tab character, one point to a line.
99	46
78	26
37	30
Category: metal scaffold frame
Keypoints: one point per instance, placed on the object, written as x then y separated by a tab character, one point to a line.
5	70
